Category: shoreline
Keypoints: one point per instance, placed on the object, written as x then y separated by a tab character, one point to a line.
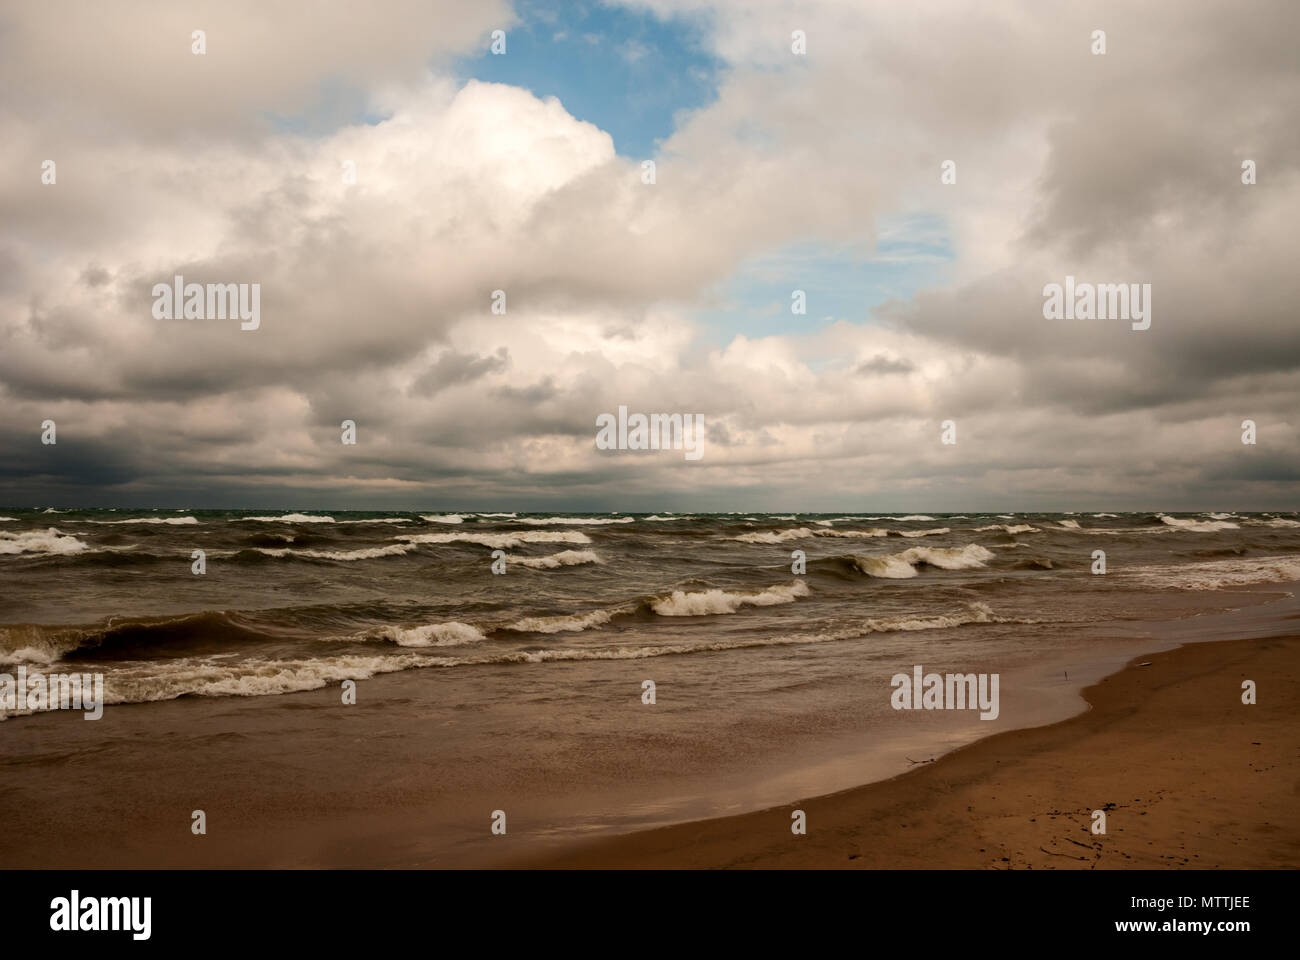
294	782
1187	775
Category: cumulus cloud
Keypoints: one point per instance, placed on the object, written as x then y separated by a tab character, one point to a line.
377	295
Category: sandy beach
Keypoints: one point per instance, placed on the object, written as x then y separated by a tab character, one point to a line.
1187	775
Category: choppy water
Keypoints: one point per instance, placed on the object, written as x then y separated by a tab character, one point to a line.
295	601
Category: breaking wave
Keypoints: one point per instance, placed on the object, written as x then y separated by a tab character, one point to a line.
707	602
1199	526
500	541
453	633
902	566
49	542
565	558
1011	528
1217	574
287	518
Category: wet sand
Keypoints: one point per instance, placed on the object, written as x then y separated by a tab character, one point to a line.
1188	777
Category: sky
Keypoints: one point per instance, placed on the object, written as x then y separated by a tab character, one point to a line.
784	171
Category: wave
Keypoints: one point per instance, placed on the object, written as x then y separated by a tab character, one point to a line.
574	521
287	518
443	518
1217	574
1070	524
565	558
936	532
803	533
364	553
378	520
888	567
265	539
1199	526
453	633
8	519
1011	528
902	566
170	521
774	536
49	542
708	602
196	676
500	541
1278	522
567	623
249	678
130	638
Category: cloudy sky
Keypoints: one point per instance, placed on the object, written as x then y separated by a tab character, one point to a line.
774	172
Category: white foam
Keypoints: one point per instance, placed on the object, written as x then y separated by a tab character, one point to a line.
888	567
1217	574
902	566
500	541
170	521
570	623
574	521
1070	524
453	633
1198	526
706	602
255	678
803	533
444	518
287	518
565	558
775	536
49	542
969	557
365	553
1012	528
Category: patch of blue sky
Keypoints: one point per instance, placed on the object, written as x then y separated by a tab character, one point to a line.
625	70
912	252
